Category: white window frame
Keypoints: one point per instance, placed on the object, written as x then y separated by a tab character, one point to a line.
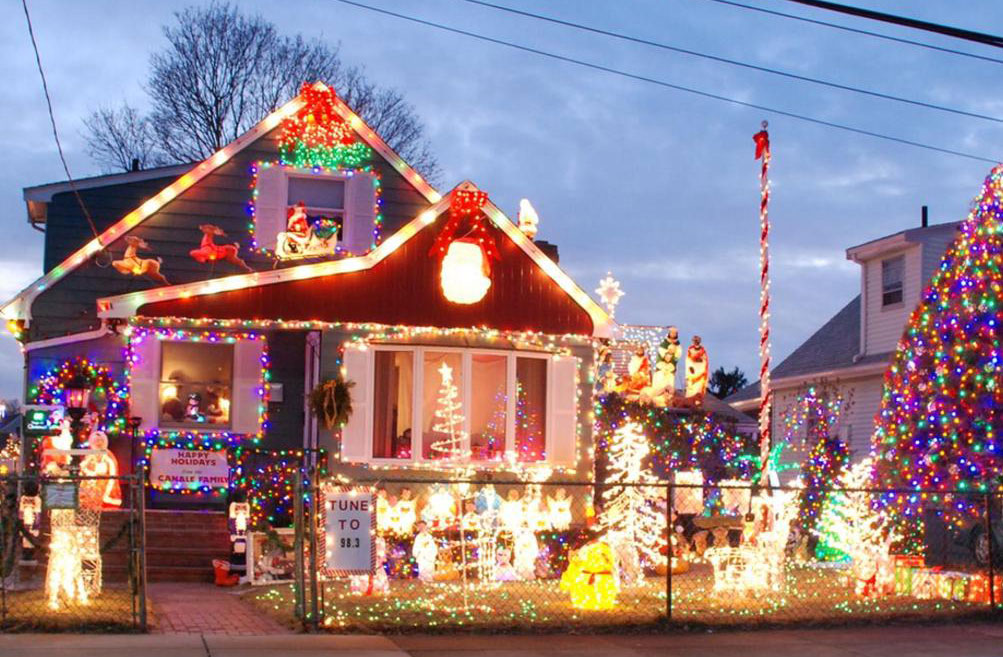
901	282
196	426
466	354
307	174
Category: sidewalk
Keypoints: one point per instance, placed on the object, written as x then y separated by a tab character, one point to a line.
970	640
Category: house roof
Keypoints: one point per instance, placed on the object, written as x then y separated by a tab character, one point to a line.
881	245
381	297
20	306
835	346
44	193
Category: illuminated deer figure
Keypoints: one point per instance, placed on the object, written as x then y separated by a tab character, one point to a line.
132	264
212	252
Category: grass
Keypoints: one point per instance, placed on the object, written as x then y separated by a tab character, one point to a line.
28	611
811	596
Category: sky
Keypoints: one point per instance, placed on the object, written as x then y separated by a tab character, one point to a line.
657	186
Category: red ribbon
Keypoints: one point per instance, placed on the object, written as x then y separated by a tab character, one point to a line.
592	574
762	139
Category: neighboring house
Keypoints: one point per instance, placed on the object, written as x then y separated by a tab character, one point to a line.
854	348
347	268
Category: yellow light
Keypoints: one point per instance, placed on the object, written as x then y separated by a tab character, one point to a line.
169	392
590	578
464	273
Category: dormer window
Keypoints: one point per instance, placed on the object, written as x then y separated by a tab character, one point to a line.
892	274
308	213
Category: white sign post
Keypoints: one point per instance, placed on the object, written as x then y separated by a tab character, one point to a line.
184	469
349	525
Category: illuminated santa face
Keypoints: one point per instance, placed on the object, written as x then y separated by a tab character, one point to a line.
465	272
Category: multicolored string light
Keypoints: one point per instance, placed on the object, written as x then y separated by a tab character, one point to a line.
938	429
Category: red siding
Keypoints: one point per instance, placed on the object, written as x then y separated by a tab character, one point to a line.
402	289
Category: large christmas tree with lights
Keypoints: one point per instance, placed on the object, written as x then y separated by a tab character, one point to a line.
941	418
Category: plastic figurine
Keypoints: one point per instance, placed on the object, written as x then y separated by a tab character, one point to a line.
132	265
425	552
559	510
209	251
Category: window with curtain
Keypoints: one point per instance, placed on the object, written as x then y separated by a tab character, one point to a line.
393	395
488	406
442	418
892	275
530	409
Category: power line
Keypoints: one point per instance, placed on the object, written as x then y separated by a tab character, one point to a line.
855	30
668	85
733	62
947	30
52	120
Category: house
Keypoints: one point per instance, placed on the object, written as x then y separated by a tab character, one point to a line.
216	296
853	349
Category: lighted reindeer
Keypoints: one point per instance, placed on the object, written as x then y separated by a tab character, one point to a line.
209	251
132	264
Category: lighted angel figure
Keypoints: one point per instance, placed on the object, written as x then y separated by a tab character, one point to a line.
406	511
425	551
132	265
440	509
527	549
383	512
512	513
559	510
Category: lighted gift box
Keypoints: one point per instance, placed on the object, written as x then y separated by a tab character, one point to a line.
904	566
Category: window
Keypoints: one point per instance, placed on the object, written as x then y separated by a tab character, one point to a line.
489	406
427	404
394	395
443	421
338	211
892	273
530	409
195	384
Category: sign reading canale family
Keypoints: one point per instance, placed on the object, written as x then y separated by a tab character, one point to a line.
349	525
180	469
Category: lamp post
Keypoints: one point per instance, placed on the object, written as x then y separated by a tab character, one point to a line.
78	393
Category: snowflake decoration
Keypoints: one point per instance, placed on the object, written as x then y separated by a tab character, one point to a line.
609	291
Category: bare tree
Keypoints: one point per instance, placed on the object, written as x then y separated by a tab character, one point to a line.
116	137
223	71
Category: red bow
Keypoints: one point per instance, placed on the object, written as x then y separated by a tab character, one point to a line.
466	204
592	574
762	139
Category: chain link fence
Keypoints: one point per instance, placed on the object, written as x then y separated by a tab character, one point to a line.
463	555
72	558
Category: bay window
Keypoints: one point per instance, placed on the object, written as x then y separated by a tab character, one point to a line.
459	405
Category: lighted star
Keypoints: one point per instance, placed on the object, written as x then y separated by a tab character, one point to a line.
609	291
447	374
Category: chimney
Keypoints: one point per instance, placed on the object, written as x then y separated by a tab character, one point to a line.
135	164
925	217
549	250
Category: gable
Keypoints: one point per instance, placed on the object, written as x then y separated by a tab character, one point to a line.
396	284
216	191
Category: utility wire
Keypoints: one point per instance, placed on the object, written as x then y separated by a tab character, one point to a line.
947	30
52	120
733	62
668	85
855	30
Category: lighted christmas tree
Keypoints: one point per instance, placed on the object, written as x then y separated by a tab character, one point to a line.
942	408
628	513
813	420
447	425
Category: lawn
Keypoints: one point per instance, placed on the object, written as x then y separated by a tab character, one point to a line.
811	595
28	611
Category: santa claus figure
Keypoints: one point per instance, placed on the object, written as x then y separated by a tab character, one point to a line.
297	221
697	368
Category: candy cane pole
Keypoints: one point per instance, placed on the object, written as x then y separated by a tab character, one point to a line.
762	139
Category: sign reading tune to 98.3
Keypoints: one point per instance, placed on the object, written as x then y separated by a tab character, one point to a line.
350	521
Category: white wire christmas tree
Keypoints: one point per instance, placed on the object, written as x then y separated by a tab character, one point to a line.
450	441
850	524
628	513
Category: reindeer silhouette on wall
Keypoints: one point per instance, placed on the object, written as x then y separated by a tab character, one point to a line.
209	251
132	265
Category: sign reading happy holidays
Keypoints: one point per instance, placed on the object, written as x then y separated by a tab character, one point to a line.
350	521
179	469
